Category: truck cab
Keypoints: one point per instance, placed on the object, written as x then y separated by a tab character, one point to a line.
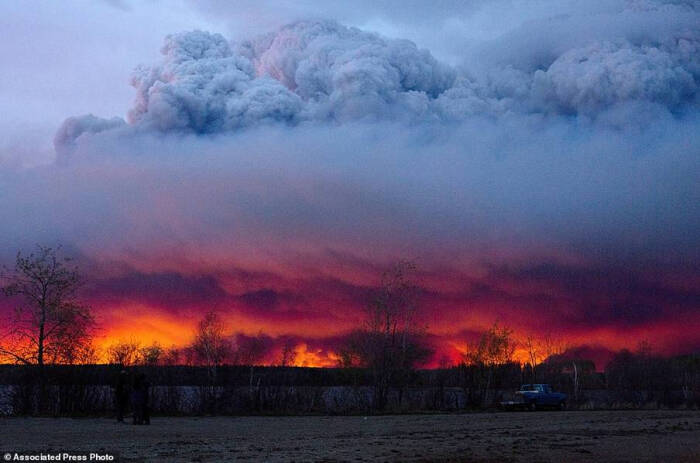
534	396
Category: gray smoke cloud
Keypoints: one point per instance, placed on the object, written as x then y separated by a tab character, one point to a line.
73	127
203	87
321	71
616	98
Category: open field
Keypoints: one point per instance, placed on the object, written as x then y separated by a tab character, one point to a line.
620	436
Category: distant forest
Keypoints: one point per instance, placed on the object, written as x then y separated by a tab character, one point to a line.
631	380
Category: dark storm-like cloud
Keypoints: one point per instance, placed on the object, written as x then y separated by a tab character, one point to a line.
302	299
169	290
602	296
265	298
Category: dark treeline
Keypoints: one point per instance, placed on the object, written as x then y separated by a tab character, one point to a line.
184	375
631	380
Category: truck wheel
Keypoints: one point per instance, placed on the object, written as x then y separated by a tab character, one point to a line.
533	407
562	405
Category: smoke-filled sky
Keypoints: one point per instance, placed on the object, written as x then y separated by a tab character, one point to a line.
538	160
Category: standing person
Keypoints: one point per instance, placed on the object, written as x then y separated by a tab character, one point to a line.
137	399
145	410
121	395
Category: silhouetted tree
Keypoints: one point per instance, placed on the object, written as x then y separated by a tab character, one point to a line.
640	376
124	353
250	351
210	346
172	356
49	324
288	353
552	346
494	349
685	370
130	353
534	352
352	352
389	343
150	355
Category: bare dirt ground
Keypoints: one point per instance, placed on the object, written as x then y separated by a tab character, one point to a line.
600	436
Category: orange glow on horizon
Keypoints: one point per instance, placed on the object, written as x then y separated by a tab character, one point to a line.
168	330
314	358
451	339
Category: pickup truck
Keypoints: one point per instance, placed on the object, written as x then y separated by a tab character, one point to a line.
534	396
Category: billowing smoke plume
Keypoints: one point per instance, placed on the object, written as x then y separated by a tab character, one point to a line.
325	72
305	71
203	87
344	74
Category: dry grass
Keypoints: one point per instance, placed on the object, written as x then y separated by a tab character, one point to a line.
601	436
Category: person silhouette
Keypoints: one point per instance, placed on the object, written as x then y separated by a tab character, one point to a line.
145	406
140	400
137	399
121	395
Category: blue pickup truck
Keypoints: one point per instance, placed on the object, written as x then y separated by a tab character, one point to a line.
534	396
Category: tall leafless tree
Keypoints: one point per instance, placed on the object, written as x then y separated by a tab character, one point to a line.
495	347
49	324
210	346
534	352
389	343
